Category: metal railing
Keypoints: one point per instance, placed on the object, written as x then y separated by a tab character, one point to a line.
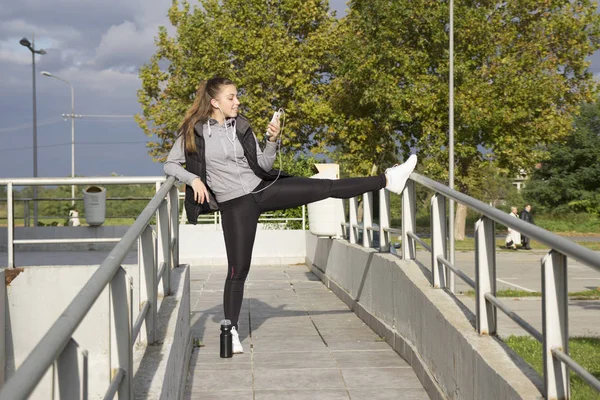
26	217
555	327
213	218
158	252
10	183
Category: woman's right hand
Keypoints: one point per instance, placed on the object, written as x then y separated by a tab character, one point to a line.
200	191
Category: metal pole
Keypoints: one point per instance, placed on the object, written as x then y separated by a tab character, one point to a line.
72	143
451	146
35	171
72	116
10	215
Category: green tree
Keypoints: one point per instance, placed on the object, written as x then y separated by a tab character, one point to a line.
491	185
520	74
277	52
569	177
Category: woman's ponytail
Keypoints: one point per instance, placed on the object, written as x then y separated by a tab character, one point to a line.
200	111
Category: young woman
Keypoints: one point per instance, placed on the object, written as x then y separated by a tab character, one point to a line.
226	170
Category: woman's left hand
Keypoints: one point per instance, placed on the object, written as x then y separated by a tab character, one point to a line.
273	130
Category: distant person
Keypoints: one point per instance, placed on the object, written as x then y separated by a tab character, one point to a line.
74	218
513	236
527	217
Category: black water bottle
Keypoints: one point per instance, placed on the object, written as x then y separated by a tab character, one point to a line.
226	346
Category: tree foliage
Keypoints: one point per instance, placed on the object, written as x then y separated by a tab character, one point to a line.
276	52
569	177
520	74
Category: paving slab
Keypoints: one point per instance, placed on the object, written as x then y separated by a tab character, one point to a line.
300	342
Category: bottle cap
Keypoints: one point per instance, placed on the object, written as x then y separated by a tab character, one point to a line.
225	324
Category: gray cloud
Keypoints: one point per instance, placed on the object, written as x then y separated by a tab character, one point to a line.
98	47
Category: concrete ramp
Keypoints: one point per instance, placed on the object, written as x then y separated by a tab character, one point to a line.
300	340
428	327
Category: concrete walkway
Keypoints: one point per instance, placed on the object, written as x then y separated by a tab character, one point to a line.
300	342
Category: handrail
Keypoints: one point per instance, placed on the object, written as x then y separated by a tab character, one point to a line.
515	317
554	334
102	180
458	272
552	240
114	384
419	240
33	368
585	375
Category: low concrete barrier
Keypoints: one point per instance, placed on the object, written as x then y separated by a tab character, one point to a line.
200	245
35	298
163	367
427	327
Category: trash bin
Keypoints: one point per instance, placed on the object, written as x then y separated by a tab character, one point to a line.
326	216
94	203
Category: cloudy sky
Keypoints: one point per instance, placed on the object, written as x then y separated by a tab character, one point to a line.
98	47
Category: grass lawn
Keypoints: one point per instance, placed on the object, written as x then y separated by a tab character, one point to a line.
584	350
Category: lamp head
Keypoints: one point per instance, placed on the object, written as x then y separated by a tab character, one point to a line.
25	42
42	51
46	73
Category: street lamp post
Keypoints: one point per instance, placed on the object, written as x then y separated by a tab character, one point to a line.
72	115
30	45
451	146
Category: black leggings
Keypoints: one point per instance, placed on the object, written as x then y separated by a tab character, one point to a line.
240	219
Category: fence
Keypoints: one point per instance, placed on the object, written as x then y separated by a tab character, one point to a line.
555	327
214	218
158	253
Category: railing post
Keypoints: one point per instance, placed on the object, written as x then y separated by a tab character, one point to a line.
3	325
384	220
438	240
353	202
304	217
25	212
162	224
121	350
367	219
409	221
71	373
485	275
174	224
10	215
555	324
148	280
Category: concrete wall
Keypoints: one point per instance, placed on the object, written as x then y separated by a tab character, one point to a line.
426	326
204	244
35	299
163	368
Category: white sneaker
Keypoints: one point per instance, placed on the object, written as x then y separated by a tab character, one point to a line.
398	175
235	341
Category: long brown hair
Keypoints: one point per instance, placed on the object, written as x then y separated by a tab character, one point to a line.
200	110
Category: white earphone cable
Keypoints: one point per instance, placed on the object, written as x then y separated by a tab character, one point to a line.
232	140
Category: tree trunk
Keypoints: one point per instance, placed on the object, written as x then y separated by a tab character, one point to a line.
460	221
